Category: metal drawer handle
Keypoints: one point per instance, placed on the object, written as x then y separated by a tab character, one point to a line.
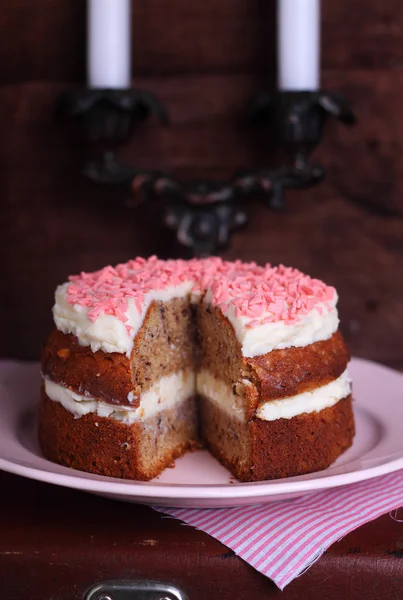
134	590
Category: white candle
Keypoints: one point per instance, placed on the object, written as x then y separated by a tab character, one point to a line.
298	39
108	39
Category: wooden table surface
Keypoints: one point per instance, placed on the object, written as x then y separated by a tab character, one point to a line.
55	543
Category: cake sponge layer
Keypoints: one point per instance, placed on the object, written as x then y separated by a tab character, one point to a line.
257	450
109	447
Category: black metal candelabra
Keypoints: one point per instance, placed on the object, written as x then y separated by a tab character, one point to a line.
205	212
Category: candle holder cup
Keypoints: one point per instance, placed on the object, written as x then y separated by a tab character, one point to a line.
110	115
205	212
297	119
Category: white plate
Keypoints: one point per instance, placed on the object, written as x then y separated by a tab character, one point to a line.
198	480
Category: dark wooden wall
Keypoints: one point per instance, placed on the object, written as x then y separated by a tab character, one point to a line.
204	59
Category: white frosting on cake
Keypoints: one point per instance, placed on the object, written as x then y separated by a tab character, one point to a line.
169	391
110	334
319	324
269	307
308	402
107	332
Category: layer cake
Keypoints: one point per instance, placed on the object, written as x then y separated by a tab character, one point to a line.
153	358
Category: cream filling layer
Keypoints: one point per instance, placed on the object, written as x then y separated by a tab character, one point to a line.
169	391
175	388
110	334
220	393
286	408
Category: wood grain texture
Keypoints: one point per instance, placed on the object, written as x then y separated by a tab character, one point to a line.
62	542
48	37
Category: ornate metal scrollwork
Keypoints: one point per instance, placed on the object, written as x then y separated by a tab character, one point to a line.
205	212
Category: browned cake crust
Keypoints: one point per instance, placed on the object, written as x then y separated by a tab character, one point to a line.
286	373
108	447
103	375
259	450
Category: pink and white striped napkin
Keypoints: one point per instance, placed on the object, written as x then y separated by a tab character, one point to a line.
283	539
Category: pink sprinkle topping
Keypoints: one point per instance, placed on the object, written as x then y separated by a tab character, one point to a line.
259	295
